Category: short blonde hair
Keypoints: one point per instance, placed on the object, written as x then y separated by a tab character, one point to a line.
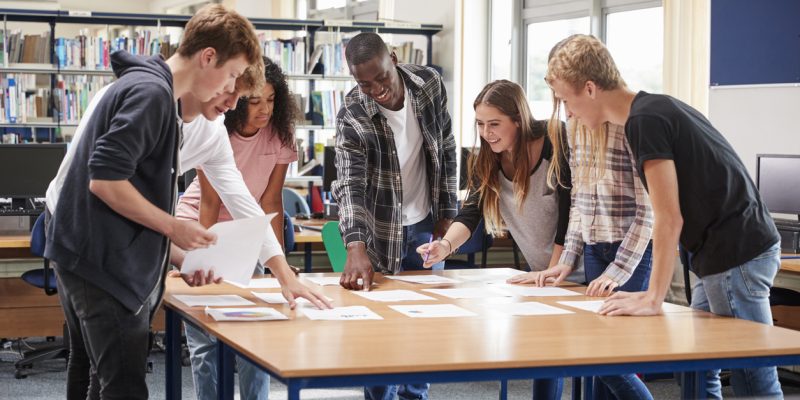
575	61
224	30
252	80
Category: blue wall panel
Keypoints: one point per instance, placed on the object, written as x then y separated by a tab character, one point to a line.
755	42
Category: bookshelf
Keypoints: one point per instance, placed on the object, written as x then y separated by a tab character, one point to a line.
292	54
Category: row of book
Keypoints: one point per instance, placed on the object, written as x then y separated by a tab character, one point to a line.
27	98
19	48
325	105
89	52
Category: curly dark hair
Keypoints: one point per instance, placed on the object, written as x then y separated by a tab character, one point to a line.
283	112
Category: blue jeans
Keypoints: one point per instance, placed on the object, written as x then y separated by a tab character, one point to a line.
742	292
596	258
253	382
413	236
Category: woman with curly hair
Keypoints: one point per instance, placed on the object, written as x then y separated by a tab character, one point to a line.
261	133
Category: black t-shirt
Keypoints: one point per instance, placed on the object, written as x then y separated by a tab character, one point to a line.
725	222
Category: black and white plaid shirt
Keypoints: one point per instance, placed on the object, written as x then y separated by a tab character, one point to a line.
368	189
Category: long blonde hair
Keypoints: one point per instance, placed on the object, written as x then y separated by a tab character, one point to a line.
484	165
575	61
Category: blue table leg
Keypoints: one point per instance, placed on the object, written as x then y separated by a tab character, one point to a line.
503	389
173	357
308	257
293	390
224	371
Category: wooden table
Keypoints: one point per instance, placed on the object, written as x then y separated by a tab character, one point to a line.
308	237
311	354
790	263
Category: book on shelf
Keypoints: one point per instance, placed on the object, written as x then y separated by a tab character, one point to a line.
407	54
325	105
28	98
290	54
83	51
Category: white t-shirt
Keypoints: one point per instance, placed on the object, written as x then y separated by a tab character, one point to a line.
408	141
206	145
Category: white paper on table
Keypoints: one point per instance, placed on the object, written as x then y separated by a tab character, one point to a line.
227	300
594	306
259	283
533	291
424	279
341	313
235	254
528	308
471	293
433	311
277	298
326	280
492	276
245	314
393	295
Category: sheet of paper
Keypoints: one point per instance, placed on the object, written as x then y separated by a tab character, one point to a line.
393	295
259	283
277	298
594	306
433	311
527	308
471	293
533	291
235	254
424	279
329	280
492	275
219	300
341	313
245	314
326	280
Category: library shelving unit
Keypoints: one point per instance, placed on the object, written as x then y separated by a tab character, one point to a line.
55	69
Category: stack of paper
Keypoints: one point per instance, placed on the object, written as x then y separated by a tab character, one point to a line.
594	306
533	291
259	283
528	308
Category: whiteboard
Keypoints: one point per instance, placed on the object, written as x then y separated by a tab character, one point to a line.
757	119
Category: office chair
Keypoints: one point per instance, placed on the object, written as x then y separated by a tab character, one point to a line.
43	278
334	245
294	203
480	241
288	233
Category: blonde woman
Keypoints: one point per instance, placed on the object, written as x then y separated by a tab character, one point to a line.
702	196
510	190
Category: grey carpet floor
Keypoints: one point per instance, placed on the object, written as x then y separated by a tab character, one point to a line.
47	381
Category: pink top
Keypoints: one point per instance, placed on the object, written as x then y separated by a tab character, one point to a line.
256	157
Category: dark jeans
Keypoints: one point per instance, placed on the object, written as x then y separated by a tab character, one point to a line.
596	259
108	342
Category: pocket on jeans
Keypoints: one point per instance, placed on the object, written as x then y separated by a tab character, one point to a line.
757	278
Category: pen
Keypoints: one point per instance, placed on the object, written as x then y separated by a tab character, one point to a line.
429	249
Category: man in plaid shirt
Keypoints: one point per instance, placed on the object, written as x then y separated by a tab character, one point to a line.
396	170
395	157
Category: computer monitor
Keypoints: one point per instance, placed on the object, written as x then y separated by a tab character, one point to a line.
329	169
778	181
28	170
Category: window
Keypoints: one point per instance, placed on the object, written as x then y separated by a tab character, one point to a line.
541	37
500	47
636	41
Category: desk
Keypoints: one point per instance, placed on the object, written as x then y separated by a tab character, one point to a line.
790	264
308	237
311	354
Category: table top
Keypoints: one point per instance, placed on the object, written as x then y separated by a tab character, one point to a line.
308	235
301	347
15	241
